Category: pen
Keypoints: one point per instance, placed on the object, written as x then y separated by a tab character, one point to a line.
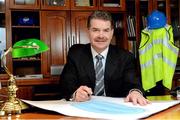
89	93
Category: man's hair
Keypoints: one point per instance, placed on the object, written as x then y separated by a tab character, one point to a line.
102	15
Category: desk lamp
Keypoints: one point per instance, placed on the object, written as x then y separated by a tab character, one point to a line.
22	48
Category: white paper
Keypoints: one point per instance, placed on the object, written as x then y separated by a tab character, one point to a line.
103	107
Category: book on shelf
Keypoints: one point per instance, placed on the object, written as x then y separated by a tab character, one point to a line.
132	22
131	26
128	27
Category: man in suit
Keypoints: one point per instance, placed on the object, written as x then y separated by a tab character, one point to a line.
78	79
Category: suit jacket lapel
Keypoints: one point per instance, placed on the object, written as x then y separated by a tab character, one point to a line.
89	65
110	63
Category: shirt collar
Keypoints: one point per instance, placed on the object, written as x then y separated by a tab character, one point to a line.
104	53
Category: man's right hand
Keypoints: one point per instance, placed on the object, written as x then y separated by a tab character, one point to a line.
83	93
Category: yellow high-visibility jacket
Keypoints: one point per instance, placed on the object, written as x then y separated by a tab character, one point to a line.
158	57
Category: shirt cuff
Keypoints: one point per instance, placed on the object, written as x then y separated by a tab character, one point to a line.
73	97
136	90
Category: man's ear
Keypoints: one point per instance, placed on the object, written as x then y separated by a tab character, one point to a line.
112	31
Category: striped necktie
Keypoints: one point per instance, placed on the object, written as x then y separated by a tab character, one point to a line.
99	88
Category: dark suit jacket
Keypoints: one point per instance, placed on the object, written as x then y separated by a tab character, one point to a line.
119	76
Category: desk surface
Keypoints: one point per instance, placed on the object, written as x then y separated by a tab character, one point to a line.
172	113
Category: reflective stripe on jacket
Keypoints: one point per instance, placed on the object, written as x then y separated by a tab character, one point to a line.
158	57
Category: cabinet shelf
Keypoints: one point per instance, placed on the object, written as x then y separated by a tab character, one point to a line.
31	60
18	26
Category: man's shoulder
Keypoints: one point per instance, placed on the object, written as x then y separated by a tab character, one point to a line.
120	54
118	50
79	48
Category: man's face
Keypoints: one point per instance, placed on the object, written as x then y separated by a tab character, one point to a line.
100	33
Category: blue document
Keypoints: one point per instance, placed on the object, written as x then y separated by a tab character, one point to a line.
100	106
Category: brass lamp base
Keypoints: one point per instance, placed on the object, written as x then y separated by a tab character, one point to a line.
12	107
22	48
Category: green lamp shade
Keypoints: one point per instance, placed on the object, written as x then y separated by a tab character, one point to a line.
28	47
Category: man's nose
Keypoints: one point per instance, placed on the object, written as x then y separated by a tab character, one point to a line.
101	34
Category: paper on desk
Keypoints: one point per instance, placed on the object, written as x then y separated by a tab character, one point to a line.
103	107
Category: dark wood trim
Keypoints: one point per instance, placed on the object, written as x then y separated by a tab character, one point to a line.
31	82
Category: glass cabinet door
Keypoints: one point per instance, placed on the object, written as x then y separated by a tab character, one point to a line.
113	5
55	4
84	4
25	4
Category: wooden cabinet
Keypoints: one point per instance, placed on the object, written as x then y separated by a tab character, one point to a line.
55	32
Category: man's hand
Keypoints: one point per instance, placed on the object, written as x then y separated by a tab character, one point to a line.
136	98
83	93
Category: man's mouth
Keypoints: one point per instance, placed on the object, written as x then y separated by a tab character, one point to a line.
100	40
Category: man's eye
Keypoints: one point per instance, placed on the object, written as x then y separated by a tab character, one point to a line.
107	30
94	30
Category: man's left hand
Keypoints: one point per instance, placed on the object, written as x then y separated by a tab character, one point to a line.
137	98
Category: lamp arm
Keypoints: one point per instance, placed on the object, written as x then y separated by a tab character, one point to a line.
3	61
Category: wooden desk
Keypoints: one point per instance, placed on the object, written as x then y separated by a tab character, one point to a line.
172	113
